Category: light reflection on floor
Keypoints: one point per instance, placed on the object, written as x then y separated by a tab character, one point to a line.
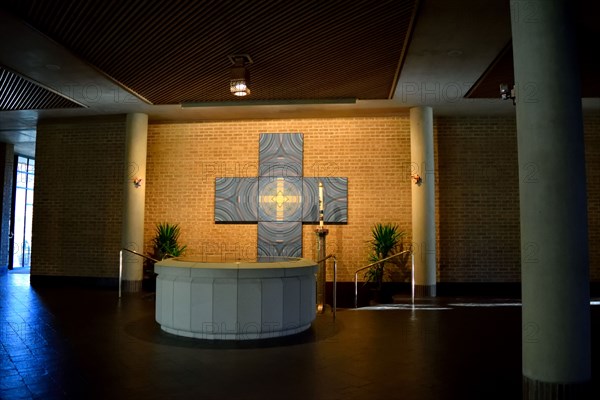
19	279
424	307
449	306
485	304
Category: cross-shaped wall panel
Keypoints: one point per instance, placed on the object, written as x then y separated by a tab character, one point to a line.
280	199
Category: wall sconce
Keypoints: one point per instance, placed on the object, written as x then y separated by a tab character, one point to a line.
239	83
418	180
506	94
137	182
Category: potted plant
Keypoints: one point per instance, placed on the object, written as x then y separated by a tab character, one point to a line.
386	240
165	244
166	241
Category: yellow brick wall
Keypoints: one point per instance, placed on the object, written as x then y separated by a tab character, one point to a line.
592	157
478	200
185	159
78	203
79	182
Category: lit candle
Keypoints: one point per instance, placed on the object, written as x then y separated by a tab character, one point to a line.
321	205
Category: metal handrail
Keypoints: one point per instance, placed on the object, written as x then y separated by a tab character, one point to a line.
121	263
141	255
379	262
334	307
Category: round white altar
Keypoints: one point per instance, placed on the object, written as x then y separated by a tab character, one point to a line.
266	298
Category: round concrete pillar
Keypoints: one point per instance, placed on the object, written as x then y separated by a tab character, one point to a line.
134	200
423	200
553	205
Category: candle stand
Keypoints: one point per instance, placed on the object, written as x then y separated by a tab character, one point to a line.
321	273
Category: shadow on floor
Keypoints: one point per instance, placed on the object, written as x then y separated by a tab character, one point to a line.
74	343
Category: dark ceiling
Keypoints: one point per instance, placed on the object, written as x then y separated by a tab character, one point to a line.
18	93
311	58
171	52
501	71
588	37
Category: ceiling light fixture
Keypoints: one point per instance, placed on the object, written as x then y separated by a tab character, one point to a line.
240	76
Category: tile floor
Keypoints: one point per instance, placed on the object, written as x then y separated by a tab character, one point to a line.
69	343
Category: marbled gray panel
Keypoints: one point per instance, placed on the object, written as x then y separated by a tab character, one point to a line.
280	239
280	199
236	199
280	154
335	199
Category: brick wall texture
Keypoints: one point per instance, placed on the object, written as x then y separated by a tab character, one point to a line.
185	159
592	159
78	198
78	204
478	195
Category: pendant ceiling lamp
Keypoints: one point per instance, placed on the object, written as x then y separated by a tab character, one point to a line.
239	83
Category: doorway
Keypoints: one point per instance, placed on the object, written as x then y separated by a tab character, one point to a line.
20	244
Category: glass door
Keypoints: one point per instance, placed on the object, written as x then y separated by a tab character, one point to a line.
22	212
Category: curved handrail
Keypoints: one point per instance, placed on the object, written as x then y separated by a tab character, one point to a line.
326	258
369	266
121	263
334	306
141	255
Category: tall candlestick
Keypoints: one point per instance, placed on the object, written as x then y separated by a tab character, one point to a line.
321	205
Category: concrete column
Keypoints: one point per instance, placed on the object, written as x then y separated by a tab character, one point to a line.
423	200
7	168
134	199
552	186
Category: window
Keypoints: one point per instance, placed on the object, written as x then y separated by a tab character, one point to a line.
23	211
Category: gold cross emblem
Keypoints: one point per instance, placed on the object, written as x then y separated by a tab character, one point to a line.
282	200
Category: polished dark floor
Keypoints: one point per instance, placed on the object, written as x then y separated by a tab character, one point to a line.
72	343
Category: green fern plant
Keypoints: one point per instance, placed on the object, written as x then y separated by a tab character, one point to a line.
385	240
166	241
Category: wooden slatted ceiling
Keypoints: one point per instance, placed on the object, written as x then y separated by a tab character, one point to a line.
18	93
176	51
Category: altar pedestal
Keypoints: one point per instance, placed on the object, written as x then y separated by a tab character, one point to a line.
235	300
